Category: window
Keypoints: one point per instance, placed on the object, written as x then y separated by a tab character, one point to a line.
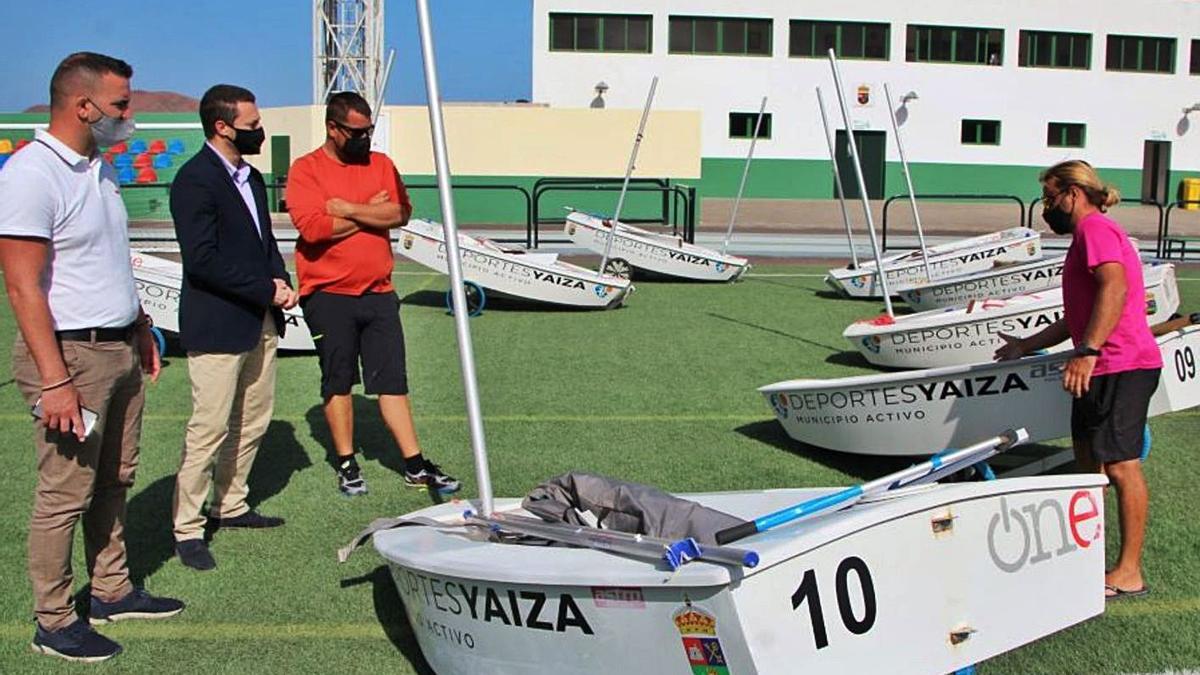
981	132
1042	49
1065	135
600	33
1195	69
741	125
949	44
849	40
712	35
1138	54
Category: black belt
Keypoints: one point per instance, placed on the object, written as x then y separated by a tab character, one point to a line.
96	334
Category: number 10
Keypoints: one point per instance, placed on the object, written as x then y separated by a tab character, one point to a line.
807	590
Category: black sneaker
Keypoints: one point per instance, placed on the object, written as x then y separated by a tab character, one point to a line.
250	519
351	481
77	642
194	553
431	477
137	604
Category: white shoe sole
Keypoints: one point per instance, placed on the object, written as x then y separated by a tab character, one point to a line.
97	621
42	649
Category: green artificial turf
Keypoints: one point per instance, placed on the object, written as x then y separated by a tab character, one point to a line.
661	392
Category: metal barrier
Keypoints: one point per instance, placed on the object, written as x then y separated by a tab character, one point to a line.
529	229
1165	240
1158	244
672	195
888	203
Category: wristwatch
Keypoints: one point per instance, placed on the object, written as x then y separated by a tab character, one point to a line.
1086	351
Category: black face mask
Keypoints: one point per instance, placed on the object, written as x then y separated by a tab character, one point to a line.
1058	220
249	141
358	149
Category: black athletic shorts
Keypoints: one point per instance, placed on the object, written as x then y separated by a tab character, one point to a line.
347	328
1111	416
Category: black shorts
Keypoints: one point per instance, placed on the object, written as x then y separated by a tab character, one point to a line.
346	328
1111	416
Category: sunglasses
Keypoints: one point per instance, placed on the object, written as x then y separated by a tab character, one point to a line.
355	132
1049	200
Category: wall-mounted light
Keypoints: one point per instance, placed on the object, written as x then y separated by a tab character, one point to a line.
1195	107
910	96
600	88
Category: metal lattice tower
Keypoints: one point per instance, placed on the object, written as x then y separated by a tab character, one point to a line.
348	49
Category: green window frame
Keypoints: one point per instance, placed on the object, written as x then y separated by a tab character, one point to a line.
726	36
1066	135
849	39
1140	54
741	125
954	44
980	132
611	33
1046	49
1195	67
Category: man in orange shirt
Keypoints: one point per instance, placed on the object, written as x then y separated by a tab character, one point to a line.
344	200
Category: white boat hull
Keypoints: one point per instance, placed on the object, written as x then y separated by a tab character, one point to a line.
159	282
934	581
1001	281
966	256
532	276
971	334
908	413
658	253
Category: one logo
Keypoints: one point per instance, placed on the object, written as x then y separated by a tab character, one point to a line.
720	266
871	342
570	228
864	94
1151	304
915	295
1031	249
698	630
1037	532
858	282
408	241
601	290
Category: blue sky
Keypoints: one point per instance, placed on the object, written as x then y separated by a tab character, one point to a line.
483	47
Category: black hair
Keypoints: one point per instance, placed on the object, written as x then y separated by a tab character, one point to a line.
220	103
83	68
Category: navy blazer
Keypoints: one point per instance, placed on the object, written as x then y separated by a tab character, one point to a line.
229	270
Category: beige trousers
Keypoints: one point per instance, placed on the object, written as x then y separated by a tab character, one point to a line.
233	396
85	480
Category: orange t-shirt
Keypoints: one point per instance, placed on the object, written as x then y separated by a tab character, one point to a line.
357	264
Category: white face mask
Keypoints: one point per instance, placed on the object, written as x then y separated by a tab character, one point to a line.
111	130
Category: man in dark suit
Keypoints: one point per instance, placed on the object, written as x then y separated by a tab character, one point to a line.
234	289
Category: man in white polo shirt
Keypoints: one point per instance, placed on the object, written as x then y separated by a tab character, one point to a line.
82	348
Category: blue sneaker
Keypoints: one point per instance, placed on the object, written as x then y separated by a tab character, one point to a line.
138	604
76	642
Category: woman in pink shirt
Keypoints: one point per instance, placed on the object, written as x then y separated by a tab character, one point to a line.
1114	369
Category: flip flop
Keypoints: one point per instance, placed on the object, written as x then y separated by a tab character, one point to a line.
1114	593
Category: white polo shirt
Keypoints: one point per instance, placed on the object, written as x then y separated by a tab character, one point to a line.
49	191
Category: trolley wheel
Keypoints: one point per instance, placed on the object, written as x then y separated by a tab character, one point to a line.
476	298
618	267
159	339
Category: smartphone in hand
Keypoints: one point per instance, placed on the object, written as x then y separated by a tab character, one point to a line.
89	417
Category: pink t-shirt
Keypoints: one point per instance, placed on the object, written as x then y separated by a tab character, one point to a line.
1131	346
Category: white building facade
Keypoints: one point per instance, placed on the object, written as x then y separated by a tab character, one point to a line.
987	92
